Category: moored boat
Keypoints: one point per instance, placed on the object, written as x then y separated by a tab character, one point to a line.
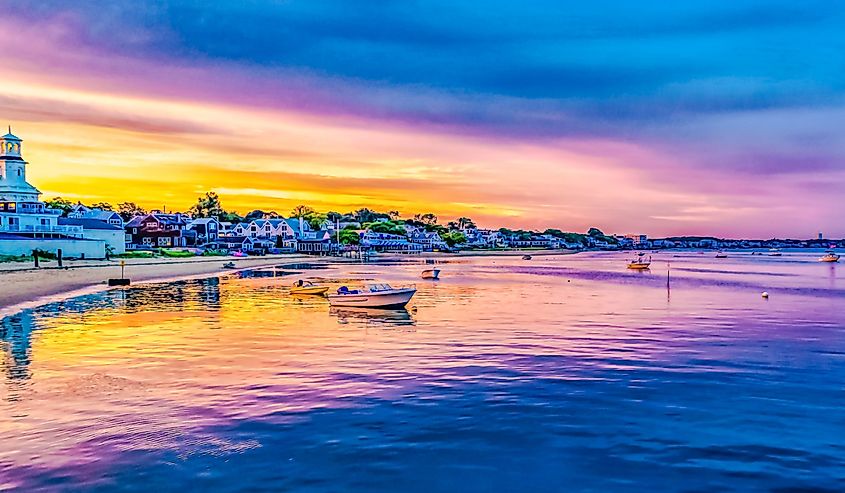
431	274
829	256
373	296
775	252
640	263
308	287
526	257
721	254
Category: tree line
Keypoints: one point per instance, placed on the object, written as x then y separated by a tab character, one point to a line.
209	205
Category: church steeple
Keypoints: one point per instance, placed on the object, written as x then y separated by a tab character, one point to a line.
11	146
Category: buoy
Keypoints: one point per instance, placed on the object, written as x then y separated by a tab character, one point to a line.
765	294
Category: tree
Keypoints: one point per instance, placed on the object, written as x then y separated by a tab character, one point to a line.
367	216
301	211
128	210
207	205
334	216
313	218
316	220
465	223
230	217
428	219
453	238
259	214
393	215
349	237
103	206
595	232
59	203
388	227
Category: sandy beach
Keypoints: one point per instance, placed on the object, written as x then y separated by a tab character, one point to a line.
26	286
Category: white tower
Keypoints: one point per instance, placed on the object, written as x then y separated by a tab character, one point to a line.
13	185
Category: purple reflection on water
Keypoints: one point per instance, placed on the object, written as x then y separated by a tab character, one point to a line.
506	375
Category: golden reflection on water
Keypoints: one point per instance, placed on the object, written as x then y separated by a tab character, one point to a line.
152	367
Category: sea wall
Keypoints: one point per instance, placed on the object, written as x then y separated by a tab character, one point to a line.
71	248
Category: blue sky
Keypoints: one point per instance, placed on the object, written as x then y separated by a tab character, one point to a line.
752	91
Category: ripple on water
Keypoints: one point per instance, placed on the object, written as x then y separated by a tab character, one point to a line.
502	377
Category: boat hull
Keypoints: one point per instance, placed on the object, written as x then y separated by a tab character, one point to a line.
431	274
636	266
310	290
396	298
834	258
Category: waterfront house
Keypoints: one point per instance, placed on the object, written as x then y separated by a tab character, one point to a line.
206	228
245	244
314	242
94	229
532	241
81	212
159	230
428	240
26	223
385	242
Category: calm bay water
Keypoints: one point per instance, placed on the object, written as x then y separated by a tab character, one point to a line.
556	374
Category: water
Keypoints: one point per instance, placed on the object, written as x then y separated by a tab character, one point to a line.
556	374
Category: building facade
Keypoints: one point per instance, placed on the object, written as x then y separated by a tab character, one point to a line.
26	223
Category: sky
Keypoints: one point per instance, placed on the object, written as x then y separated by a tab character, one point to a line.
714	117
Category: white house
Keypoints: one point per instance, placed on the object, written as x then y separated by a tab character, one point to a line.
26	223
92	229
81	212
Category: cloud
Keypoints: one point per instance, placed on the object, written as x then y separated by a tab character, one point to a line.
618	113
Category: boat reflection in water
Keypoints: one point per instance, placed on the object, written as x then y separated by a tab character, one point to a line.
399	317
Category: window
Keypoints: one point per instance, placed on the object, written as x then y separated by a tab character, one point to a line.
45	222
19	172
147	241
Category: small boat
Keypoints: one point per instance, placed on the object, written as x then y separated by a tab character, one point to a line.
721	254
526	257
373	296
229	265
775	252
431	274
640	263
829	256
238	254
308	287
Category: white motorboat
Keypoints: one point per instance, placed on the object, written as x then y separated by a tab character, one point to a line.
373	296
829	256
775	252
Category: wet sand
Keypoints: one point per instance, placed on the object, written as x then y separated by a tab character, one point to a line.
25	286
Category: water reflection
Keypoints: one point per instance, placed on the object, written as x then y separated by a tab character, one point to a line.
503	377
398	317
15	342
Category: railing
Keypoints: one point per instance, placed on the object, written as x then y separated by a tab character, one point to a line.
23	208
17	228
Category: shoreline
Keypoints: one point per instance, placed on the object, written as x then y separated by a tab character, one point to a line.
32	287
37	286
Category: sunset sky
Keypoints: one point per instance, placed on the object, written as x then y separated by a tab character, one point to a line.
717	117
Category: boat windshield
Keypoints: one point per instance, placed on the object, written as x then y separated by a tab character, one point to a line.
378	287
